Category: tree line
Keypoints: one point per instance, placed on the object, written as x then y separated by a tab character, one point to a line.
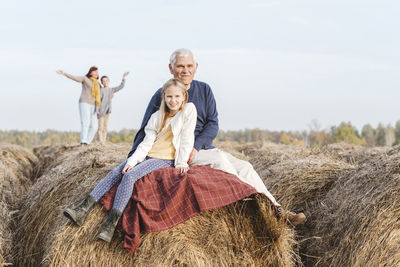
51	137
314	137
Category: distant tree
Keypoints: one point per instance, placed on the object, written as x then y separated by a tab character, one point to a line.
298	142
390	136
397	132
380	135
368	133
317	137
285	139
323	138
347	133
314	125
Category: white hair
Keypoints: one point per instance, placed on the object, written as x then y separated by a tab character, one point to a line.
182	52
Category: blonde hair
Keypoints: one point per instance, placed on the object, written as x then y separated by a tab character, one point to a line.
164	110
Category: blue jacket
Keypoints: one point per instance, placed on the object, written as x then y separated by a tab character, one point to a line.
201	96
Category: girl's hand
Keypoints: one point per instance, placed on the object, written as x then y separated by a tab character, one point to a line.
126	168
125	74
183	169
60	72
192	155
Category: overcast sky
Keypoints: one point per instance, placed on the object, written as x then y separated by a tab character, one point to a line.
273	65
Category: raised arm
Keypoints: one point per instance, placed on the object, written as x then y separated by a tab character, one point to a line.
119	87
79	79
116	89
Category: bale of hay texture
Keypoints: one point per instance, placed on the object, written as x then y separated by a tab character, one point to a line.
50	156
243	233
353	154
358	220
296	176
18	168
299	178
349	194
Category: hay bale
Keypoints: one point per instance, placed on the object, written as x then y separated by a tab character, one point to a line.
351	153
296	176
297	183
349	194
244	233
51	155
18	167
358	220
223	237
270	153
299	178
231	149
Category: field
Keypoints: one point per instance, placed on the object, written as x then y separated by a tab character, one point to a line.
349	194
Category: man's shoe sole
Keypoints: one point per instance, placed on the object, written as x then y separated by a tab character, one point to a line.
70	214
298	219
104	237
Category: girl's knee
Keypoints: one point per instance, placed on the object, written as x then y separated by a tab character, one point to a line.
127	178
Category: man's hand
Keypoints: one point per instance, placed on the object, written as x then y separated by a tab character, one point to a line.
125	74
60	72
126	168
97	112
192	155
183	169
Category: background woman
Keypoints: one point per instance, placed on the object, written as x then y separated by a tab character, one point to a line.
89	102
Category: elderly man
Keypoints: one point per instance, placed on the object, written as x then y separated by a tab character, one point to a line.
183	66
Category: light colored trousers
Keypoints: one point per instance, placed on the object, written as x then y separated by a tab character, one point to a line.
88	116
102	132
221	160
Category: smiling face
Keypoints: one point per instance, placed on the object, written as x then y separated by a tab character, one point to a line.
94	73
173	98
184	69
105	82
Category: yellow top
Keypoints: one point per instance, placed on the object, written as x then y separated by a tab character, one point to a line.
163	148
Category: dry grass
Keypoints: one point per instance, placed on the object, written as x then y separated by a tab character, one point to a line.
296	176
358	220
73	171
350	195
17	168
241	234
353	154
245	233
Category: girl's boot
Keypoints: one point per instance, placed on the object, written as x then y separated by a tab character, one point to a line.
78	214
107	231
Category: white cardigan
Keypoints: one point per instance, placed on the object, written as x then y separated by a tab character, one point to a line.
182	124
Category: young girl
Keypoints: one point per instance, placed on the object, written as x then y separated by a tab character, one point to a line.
168	142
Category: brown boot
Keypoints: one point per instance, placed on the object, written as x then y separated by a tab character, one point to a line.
295	219
107	231
78	214
291	217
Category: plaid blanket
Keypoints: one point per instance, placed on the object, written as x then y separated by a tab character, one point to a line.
166	198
